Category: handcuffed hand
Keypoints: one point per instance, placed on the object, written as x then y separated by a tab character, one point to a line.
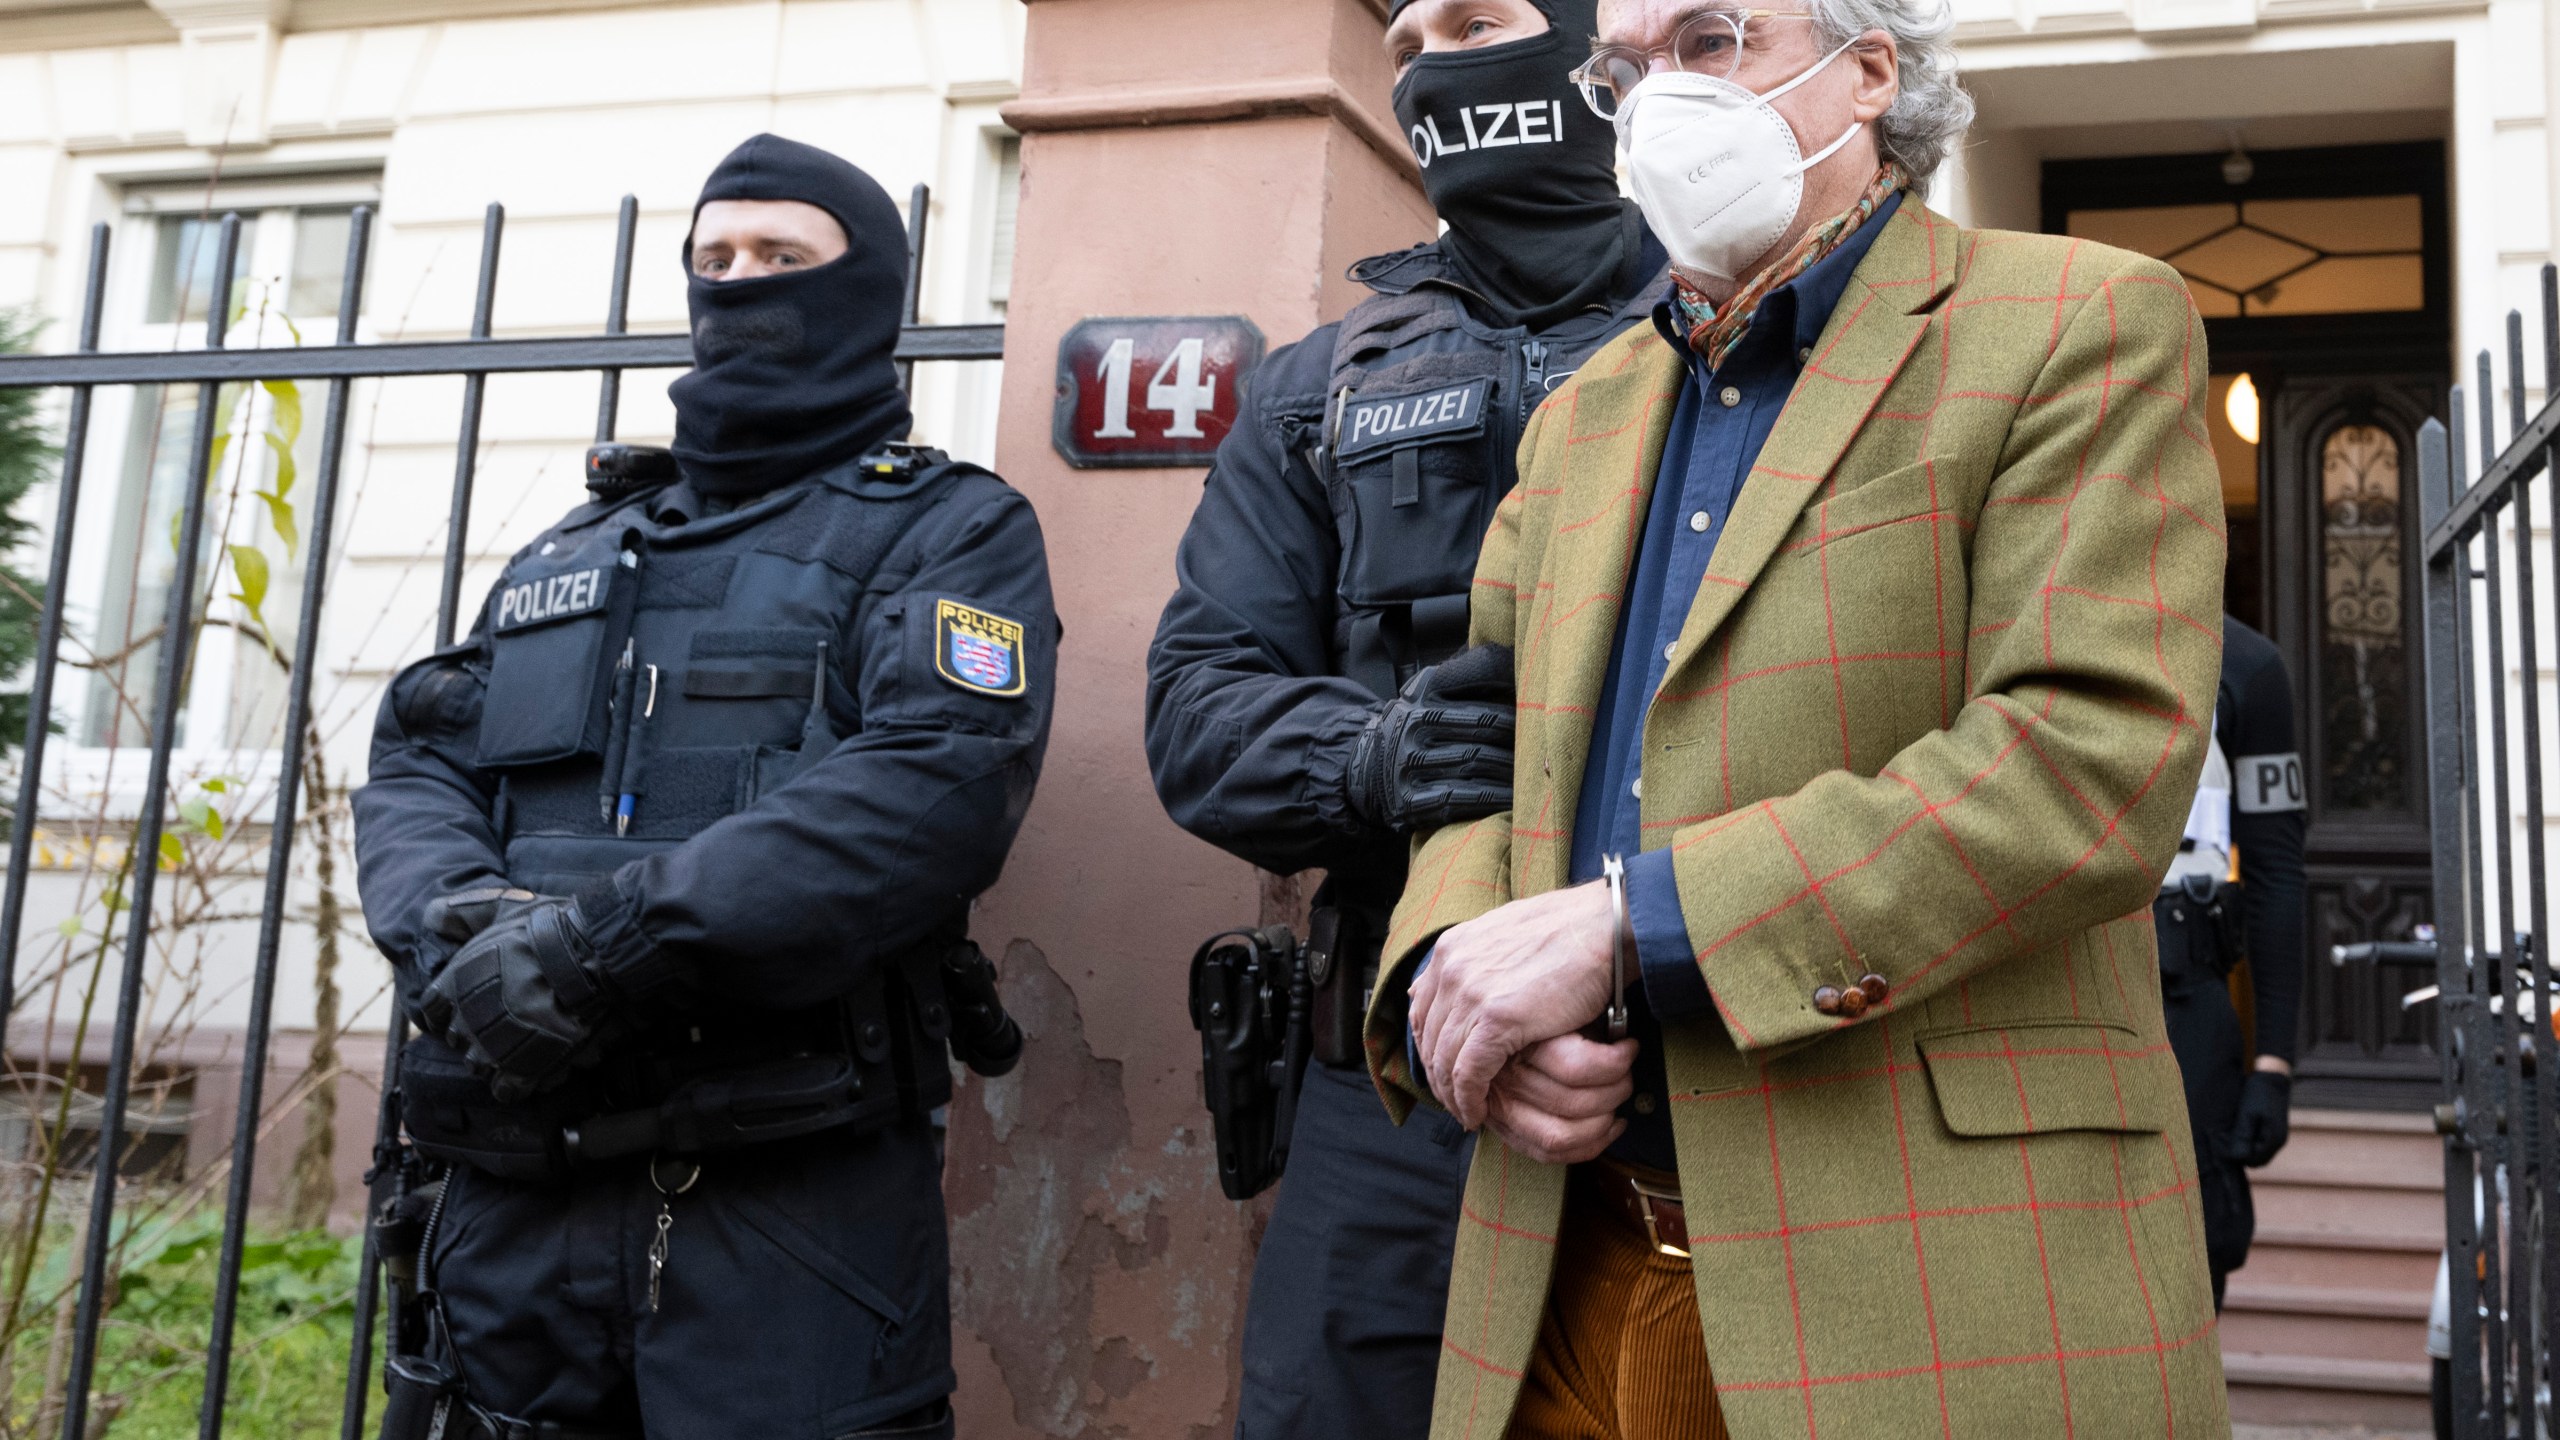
1557	1101
1530	971
1440	752
521	998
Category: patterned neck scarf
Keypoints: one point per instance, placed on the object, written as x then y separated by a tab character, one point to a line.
1714	333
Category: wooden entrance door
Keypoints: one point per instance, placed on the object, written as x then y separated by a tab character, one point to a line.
2322	277
2339	528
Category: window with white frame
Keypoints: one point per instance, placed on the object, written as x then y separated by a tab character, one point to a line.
1007	204
288	275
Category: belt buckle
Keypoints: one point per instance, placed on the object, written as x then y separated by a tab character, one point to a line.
1647	1196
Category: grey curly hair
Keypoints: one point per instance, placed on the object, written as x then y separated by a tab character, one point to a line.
1932	111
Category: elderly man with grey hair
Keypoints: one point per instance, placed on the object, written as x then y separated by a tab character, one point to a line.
1866	613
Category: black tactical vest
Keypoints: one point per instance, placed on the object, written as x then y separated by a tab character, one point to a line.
648	678
1417	445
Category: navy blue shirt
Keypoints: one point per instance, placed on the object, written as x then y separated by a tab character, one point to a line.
1723	417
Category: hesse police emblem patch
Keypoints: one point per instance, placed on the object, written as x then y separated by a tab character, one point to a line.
977	651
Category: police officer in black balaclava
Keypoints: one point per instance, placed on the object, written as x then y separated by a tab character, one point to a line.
673	857
1307	703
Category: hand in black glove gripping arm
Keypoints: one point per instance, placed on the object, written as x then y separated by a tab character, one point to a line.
524	997
1440	752
2263	1124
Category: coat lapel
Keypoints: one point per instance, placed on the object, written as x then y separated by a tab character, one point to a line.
1870	336
1620	418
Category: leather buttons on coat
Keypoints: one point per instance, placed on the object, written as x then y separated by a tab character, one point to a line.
1854	1001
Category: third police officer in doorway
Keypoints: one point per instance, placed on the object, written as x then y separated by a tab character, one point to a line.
2235	892
674	857
1307	702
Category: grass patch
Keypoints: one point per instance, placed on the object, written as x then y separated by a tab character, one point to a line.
289	1352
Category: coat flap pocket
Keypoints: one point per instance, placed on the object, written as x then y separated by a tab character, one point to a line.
2039	1076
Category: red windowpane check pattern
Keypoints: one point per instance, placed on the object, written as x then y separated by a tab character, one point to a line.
1935	715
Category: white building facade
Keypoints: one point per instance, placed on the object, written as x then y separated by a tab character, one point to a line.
160	120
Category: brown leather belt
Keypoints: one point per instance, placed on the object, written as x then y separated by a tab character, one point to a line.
1644	1197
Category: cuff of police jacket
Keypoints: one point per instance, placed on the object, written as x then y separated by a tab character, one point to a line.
1328	771
631	964
1673	984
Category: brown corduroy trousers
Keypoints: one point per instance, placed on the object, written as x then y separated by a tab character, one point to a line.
1619	1354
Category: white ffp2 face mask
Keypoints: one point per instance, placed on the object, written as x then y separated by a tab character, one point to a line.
1715	167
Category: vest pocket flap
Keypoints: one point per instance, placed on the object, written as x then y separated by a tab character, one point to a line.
2042	1076
548	634
1372	423
753	664
750	679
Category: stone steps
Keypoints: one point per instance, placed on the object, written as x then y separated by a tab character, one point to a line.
2327	1323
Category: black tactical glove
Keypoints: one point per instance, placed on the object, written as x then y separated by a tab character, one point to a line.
457	917
523	998
2260	1130
1441	750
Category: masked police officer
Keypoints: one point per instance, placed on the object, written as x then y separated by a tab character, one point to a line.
1307	706
674	858
2235	891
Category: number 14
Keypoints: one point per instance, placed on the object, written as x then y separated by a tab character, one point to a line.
1177	390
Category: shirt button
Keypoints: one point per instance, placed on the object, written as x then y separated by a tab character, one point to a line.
1637	789
1644	1104
1805	356
1730	396
1671	651
1700	521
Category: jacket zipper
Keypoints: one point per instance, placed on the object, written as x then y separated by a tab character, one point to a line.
1533	384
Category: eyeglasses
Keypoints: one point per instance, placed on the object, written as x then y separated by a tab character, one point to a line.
1707	43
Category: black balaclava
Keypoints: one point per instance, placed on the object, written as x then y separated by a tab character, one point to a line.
1521	169
793	372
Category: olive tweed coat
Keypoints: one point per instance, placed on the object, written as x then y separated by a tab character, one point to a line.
1936	716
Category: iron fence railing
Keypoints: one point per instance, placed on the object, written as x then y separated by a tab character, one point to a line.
340	364
2491	551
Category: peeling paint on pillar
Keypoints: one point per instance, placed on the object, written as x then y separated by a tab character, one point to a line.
1064	1262
1099	1273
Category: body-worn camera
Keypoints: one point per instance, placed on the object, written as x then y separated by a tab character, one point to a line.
616	470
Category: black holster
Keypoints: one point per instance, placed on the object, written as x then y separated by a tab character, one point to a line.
1250	998
2201	930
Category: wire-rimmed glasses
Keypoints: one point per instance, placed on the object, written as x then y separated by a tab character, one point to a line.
1707	43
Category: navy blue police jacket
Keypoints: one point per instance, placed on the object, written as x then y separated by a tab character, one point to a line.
775	747
1332	554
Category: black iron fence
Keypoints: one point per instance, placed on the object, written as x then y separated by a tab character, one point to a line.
340	364
2491	552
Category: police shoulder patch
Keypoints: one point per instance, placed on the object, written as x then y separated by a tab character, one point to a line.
976	650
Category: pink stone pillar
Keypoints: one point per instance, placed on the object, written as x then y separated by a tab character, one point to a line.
1180	157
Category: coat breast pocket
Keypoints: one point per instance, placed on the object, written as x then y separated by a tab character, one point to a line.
1915	504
